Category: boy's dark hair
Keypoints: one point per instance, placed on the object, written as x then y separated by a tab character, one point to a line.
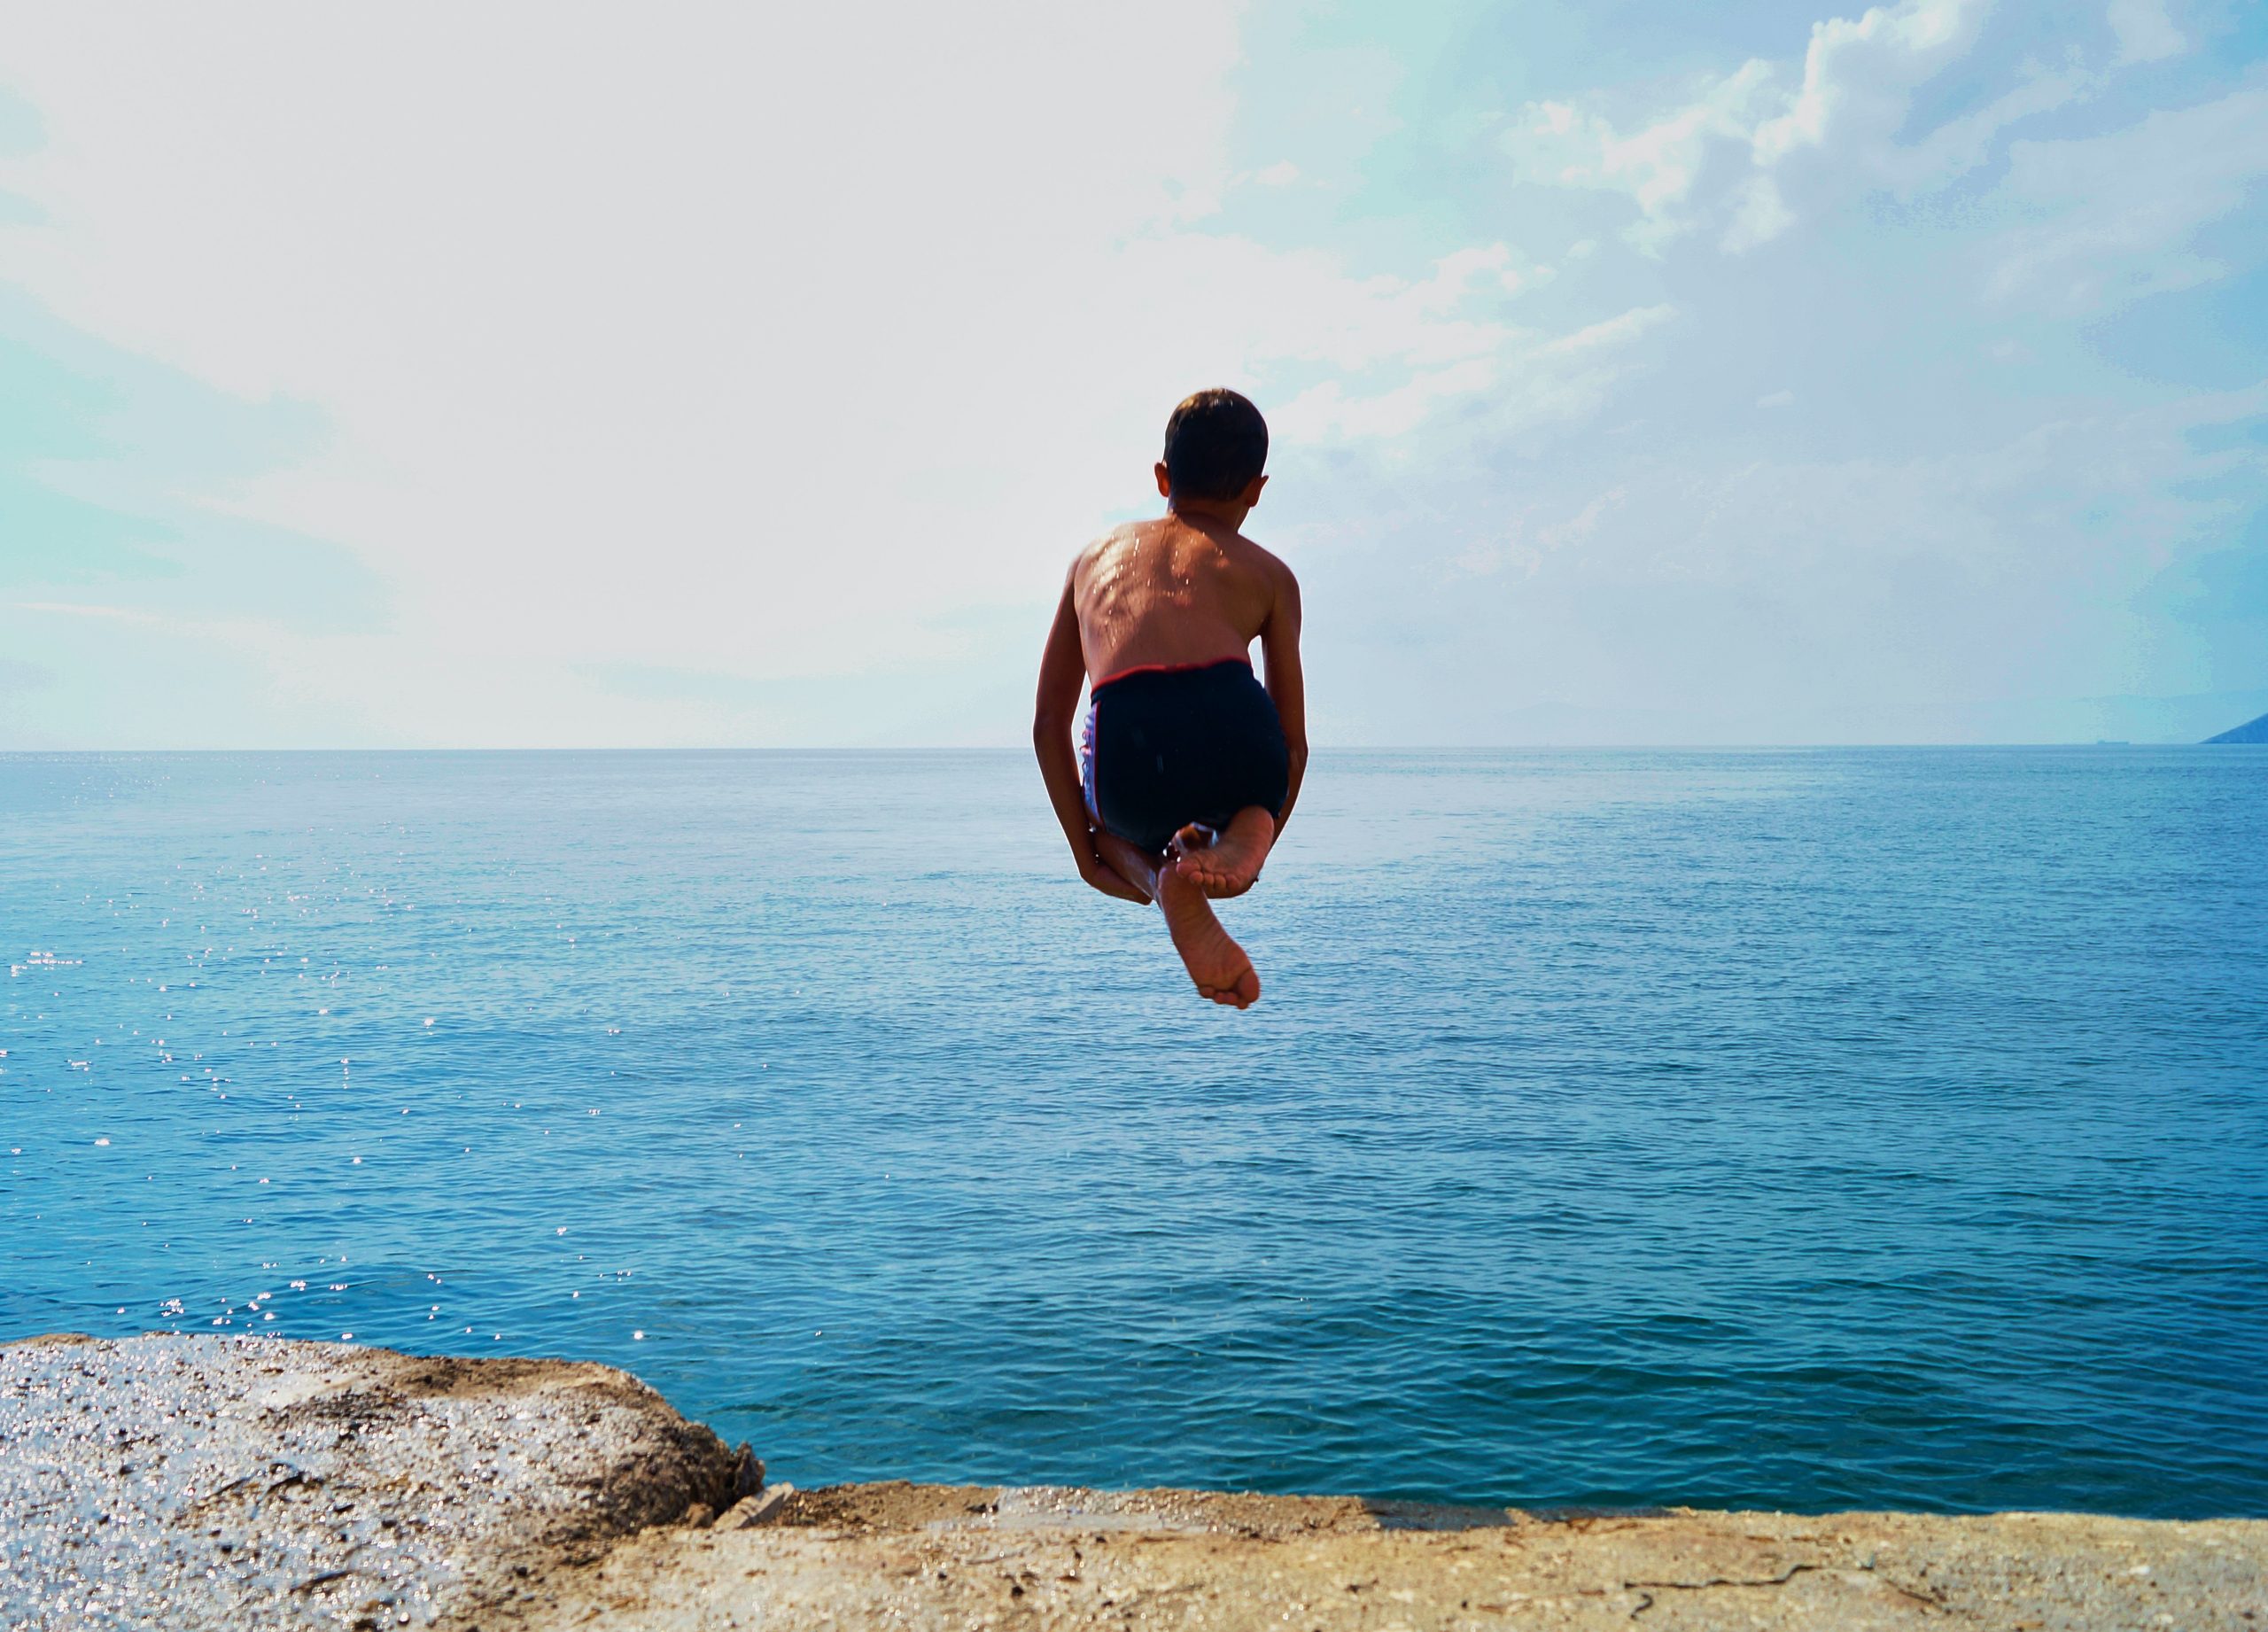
1216	443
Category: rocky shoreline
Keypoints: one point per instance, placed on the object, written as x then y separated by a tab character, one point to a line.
193	1482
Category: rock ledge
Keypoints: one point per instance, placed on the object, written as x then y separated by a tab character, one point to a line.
234	1481
224	1482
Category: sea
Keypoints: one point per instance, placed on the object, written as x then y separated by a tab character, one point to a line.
1804	1130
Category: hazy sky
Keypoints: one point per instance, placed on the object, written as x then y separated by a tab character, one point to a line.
684	375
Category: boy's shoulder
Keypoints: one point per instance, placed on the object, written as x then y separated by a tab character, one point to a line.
1125	532
1266	561
1264	555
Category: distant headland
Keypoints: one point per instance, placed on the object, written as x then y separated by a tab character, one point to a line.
2251	731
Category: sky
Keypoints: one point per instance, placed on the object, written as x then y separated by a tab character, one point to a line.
545	374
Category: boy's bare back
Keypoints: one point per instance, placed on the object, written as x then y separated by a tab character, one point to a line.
1176	590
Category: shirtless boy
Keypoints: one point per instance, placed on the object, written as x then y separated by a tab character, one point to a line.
1187	768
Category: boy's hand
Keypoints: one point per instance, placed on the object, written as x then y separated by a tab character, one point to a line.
1106	878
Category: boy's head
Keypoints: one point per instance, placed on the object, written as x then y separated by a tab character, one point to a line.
1216	446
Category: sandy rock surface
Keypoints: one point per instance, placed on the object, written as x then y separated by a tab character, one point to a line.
968	1557
208	1482
194	1482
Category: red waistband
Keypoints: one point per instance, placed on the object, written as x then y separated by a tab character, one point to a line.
1167	668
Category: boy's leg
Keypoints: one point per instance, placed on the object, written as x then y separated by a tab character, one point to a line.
1226	863
1215	963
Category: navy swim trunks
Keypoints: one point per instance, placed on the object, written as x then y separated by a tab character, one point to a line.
1167	746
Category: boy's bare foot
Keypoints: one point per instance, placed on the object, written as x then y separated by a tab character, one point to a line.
1230	861
1216	963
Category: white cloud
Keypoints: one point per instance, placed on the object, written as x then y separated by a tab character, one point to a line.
2101	218
1530	542
1760	214
1229	295
1728	157
2145	32
1963	143
1619	330
1523	380
2113	217
1868	597
1658	165
1860	73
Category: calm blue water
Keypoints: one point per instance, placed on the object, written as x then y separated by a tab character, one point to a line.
1805	1129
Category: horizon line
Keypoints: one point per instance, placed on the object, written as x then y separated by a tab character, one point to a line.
998	747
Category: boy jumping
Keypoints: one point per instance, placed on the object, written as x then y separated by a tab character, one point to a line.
1187	768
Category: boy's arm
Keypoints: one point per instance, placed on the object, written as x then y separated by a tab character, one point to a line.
1062	670
1287	687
